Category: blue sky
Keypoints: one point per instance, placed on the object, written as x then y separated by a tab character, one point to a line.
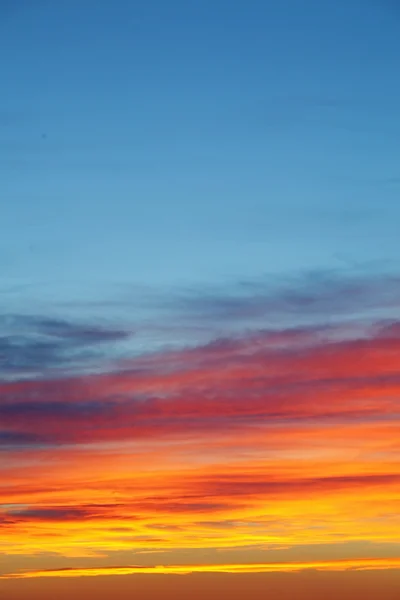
191	142
199	294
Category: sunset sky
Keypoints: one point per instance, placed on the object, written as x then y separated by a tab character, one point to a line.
199	299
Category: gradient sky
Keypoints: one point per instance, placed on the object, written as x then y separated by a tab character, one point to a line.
199	297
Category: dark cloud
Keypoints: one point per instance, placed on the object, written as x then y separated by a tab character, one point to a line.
53	514
17	438
38	410
266	377
317	296
35	344
64	513
280	374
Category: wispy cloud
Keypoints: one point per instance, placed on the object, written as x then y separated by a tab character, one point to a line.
333	565
240	429
34	345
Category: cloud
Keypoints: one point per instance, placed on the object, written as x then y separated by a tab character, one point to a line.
62	513
319	297
269	377
315	295
288	567
50	514
292	426
12	439
34	345
256	484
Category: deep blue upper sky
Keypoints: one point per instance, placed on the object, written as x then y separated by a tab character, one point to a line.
187	141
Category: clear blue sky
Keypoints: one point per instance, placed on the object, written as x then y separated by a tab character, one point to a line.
196	140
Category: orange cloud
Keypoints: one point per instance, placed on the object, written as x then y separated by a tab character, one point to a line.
274	439
338	565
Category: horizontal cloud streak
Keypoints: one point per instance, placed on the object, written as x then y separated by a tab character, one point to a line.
257	438
34	345
338	565
313	296
223	384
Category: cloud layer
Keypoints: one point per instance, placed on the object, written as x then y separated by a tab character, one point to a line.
259	439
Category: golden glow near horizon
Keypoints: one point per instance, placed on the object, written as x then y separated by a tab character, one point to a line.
281	460
333	565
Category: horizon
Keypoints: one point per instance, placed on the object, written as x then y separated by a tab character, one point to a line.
199	299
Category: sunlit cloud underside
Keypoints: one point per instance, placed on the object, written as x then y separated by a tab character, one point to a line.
264	449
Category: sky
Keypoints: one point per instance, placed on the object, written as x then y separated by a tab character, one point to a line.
199	298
